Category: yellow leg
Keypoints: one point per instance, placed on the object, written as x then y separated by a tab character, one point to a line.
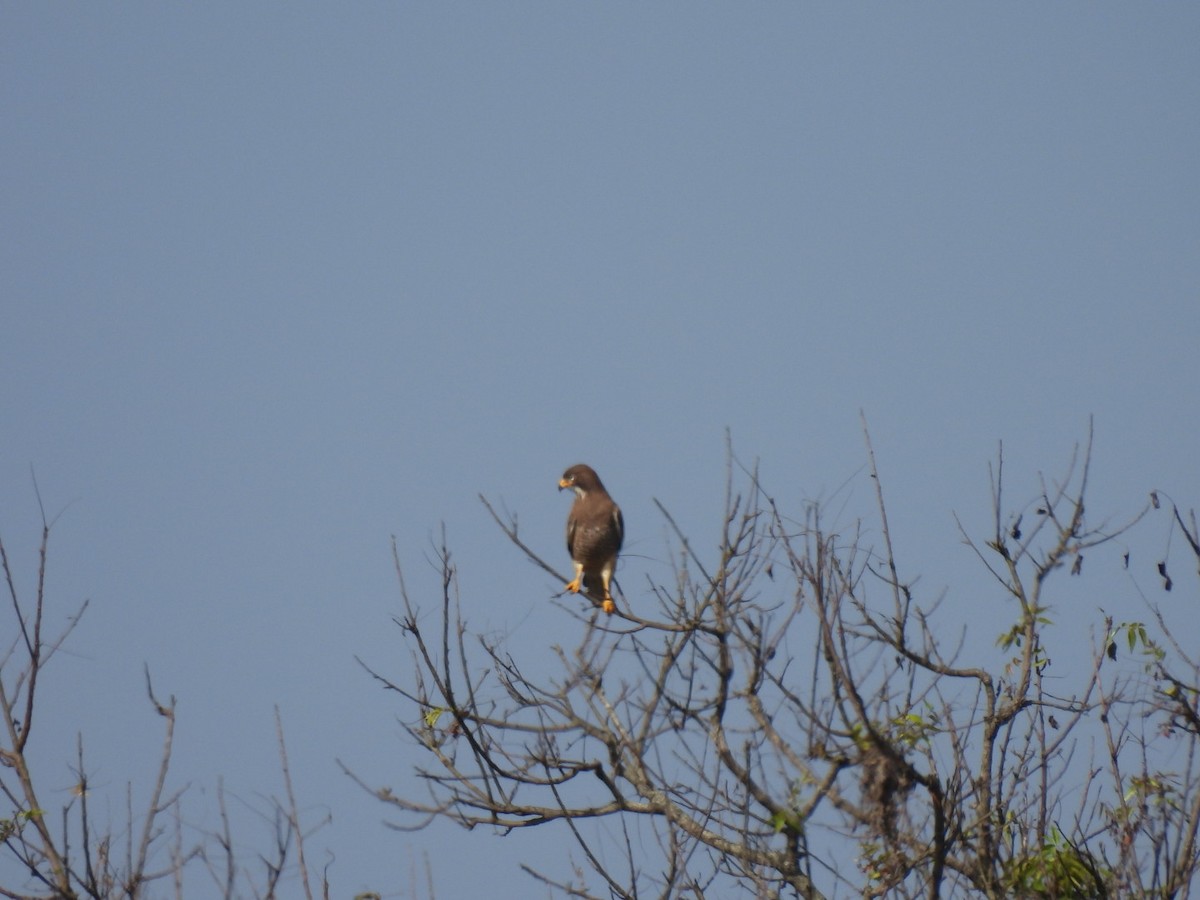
608	606
577	585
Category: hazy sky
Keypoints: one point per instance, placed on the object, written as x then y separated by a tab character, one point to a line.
280	281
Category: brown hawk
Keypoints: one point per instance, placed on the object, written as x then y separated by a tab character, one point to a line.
595	530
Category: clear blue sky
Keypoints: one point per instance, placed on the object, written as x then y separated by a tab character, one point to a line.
278	281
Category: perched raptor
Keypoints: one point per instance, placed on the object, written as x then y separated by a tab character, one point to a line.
595	529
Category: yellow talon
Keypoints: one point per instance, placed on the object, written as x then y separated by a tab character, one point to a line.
574	586
608	606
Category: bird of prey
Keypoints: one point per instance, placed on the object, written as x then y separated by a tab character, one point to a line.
595	529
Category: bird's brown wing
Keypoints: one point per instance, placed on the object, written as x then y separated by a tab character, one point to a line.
572	526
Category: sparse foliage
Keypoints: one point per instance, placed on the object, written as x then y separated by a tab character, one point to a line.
69	852
786	718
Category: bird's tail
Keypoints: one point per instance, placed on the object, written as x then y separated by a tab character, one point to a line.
591	586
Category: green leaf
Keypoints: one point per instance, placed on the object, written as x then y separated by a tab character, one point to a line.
785	818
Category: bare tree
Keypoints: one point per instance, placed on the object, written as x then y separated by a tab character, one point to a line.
785	719
70	853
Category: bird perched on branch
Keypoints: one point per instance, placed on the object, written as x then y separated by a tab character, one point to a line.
595	530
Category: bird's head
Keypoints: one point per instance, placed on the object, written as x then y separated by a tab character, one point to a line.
580	479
